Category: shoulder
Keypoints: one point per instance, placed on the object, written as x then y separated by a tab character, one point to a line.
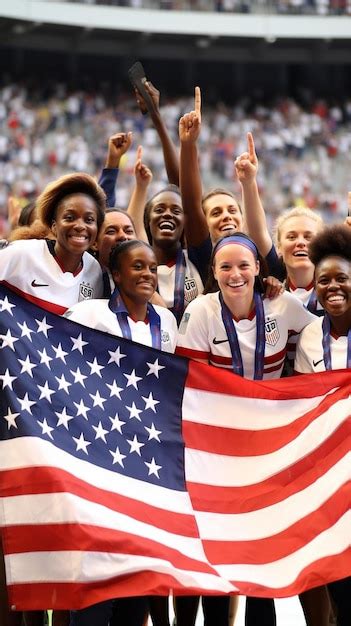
83	310
314	329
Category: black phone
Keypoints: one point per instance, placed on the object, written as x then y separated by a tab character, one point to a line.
137	77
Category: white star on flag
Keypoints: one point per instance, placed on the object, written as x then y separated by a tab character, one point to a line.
153	467
27	366
95	367
8	340
26	403
78	376
11	419
78	343
46	392
132	379
114	390
98	400
82	444
63	418
117	457
45	358
153	432
116	423
134	412
45	428
82	409
60	353
63	383
7	380
26	331
43	327
100	432
150	403
116	356
6	306
154	368
135	445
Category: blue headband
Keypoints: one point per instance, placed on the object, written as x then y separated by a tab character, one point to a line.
238	239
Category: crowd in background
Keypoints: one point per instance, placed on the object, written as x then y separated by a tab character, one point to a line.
305	152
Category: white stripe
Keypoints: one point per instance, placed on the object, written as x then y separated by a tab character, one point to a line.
284	571
276	518
244	413
61	508
25	452
87	567
226	471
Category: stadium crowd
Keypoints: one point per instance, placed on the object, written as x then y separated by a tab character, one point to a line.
305	151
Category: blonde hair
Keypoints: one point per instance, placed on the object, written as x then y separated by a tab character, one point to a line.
295	212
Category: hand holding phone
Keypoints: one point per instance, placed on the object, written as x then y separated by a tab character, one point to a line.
137	77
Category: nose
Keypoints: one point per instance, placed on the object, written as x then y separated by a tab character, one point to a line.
301	241
120	236
79	224
333	284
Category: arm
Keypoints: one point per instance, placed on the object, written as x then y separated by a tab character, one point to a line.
196	229
143	178
117	146
348	219
170	153
246	166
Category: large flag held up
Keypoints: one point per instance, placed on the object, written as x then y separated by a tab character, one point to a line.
128	471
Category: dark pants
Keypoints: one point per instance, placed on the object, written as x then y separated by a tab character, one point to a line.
215	608
340	591
120	612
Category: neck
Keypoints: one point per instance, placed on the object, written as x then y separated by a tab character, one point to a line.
301	277
240	309
136	310
164	255
341	324
69	264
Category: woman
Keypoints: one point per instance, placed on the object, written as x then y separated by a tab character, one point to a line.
129	314
326	343
236	328
56	273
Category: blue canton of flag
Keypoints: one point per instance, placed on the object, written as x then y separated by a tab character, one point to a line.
98	398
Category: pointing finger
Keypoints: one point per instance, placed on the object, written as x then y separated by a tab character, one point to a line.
139	153
198	102
251	146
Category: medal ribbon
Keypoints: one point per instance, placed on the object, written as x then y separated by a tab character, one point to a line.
117	306
179	280
326	344
229	326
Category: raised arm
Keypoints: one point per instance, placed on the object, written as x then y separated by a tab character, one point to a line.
348	219
143	178
196	228
246	166
118	145
170	153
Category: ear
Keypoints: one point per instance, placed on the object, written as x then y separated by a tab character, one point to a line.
214	270
257	268
116	275
53	228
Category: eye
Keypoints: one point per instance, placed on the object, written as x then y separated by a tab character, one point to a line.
177	210
137	266
129	231
233	210
90	219
225	266
323	281
153	269
110	231
69	217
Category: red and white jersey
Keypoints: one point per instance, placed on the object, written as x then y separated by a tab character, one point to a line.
304	296
29	268
166	279
97	314
309	350
202	334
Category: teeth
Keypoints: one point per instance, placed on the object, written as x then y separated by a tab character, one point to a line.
236	284
167	226
335	298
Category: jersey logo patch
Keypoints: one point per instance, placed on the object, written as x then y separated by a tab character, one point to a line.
184	323
165	338
35	284
315	363
218	341
86	291
272	332
190	289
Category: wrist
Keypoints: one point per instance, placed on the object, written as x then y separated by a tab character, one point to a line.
112	162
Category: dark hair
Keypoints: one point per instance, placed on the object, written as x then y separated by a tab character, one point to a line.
331	241
123	248
148	206
212	284
27	216
78	183
216	191
118	210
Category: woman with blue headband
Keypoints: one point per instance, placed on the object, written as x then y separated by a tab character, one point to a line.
234	327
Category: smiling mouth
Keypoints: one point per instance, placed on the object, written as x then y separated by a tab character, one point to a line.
336	299
237	285
228	227
301	254
167	226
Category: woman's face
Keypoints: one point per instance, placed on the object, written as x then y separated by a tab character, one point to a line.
296	234
116	228
75	225
223	216
333	285
136	277
166	219
235	269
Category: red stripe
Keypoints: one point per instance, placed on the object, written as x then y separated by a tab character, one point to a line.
192	354
275	357
275	488
280	389
43	304
274	368
281	545
90	538
235	442
38	480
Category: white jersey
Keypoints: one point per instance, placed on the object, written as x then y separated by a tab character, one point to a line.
304	296
97	314
309	350
202	334
28	267
166	281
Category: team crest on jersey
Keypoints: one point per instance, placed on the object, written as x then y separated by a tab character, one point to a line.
165	338
184	323
86	291
272	332
190	289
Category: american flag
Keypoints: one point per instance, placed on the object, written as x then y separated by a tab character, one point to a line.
128	471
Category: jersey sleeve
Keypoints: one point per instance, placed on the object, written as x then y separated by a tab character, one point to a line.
108	180
193	332
298	315
302	363
275	265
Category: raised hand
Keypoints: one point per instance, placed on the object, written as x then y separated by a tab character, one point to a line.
246	165
143	174
155	96
190	123
118	145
